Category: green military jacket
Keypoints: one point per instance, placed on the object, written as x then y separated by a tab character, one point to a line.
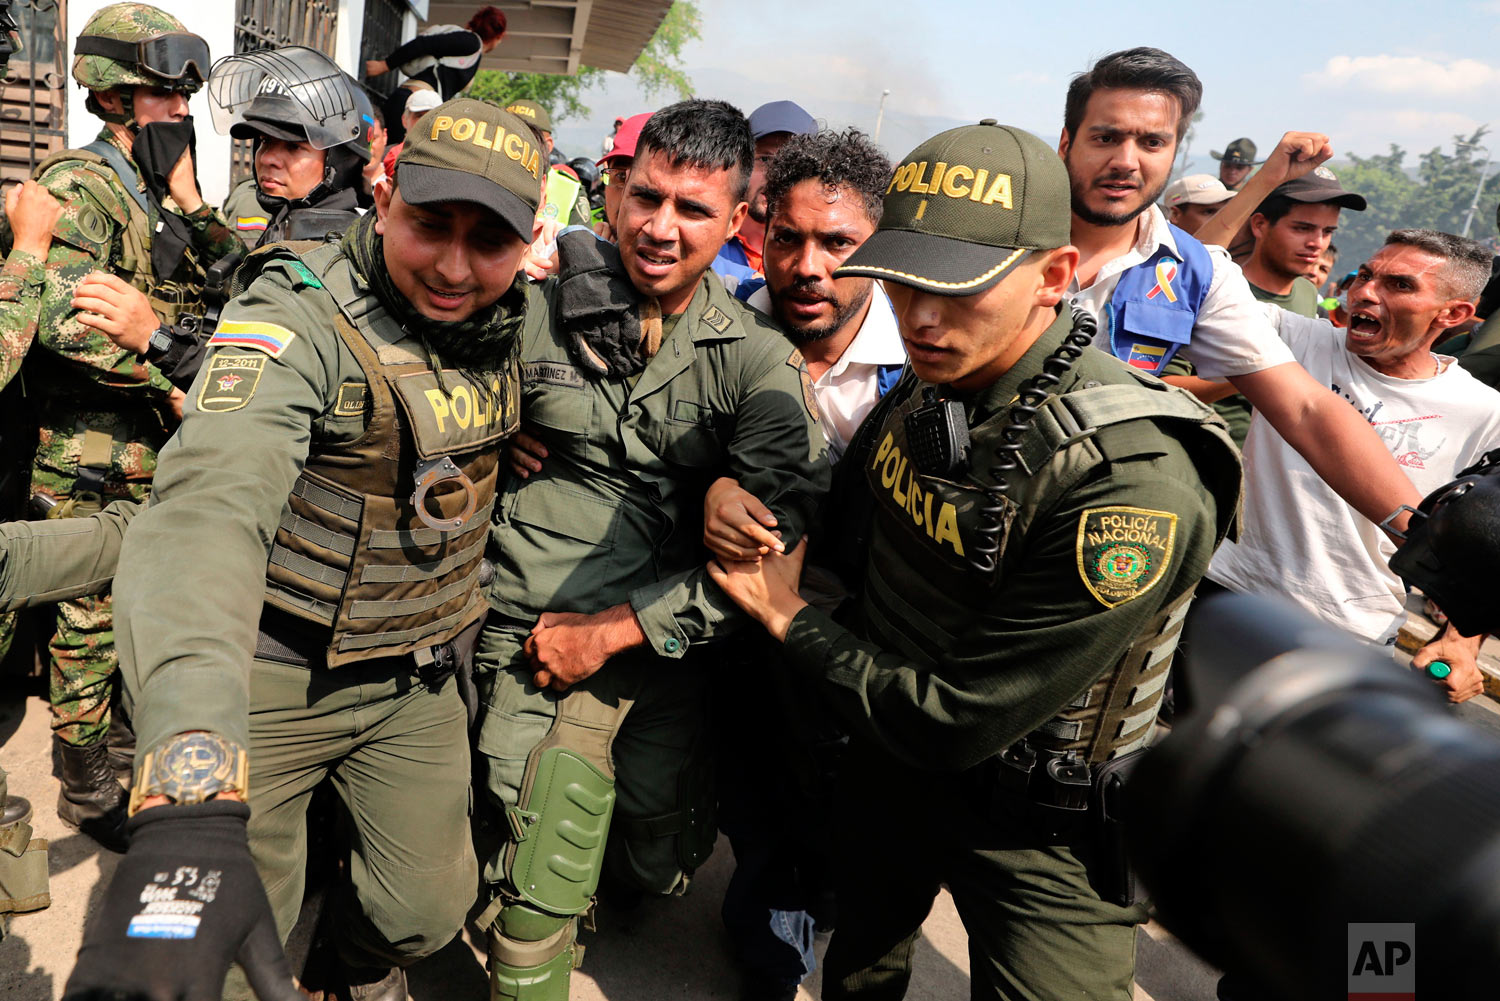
616	513
244	213
946	666
250	421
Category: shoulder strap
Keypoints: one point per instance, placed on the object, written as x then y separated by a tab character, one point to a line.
1073	416
110	154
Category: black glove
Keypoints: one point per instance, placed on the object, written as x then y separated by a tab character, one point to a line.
185	901
597	307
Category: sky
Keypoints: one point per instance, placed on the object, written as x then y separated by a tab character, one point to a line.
1368	74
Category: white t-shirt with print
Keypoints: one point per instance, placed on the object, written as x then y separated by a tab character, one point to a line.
1298	538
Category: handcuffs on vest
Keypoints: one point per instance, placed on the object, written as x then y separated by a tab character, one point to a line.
428	475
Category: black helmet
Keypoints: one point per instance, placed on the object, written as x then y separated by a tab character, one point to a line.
587	171
557	157
1453	546
296	94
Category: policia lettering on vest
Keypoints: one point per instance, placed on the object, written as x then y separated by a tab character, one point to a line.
351	414
1025	520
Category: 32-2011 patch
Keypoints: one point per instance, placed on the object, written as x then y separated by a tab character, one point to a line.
1123	552
230	382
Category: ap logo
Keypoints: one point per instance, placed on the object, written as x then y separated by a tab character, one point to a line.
1382	962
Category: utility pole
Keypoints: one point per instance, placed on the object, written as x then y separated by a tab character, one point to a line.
880	114
1478	188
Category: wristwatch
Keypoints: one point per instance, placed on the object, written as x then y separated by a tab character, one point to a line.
191	768
160	343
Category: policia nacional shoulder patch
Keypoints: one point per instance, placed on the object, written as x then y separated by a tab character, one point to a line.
1124	551
230	382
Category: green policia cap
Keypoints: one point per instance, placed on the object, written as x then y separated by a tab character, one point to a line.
964	208
531	112
471	151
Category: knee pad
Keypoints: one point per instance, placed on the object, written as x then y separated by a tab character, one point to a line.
559	834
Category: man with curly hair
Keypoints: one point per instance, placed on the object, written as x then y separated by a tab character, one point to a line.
823	194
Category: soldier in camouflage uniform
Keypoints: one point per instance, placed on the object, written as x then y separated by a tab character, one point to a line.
104	411
31	213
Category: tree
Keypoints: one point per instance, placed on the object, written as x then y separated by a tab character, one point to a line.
658	70
1436	196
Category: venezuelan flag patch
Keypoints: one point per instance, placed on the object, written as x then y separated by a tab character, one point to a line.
267	337
1146	356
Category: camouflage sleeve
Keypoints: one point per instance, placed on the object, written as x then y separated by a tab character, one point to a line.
214	237
82	243
20	302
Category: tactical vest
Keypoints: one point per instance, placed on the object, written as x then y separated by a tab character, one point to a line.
351	552
1155	304
924	600
172	296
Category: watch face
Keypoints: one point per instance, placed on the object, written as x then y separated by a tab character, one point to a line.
193	767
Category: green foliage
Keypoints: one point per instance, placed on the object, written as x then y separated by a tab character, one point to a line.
658	70
1437	197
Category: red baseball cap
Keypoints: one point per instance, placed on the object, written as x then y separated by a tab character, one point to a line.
626	137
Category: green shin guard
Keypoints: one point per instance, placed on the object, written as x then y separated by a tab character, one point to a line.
558	840
526	969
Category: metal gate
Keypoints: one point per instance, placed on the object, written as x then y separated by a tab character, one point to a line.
270	24
384	20
34	91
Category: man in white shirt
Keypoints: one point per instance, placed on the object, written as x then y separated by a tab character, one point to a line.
1124	119
845	329
824	197
1298	539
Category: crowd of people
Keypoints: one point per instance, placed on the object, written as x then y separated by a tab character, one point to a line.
744	480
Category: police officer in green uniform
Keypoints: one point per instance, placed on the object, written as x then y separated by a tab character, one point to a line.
1027	519
640	395
292	602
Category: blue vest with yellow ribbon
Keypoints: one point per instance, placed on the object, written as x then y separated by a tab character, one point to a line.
1155	306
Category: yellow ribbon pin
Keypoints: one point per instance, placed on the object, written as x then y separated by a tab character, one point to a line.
1166	270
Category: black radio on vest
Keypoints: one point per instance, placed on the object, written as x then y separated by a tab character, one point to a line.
938	434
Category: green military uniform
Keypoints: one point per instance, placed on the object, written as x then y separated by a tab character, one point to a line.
313	435
615	516
253	422
246	216
1005	641
21	281
103	411
23	858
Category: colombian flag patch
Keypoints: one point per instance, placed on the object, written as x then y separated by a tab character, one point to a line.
267	337
251	223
